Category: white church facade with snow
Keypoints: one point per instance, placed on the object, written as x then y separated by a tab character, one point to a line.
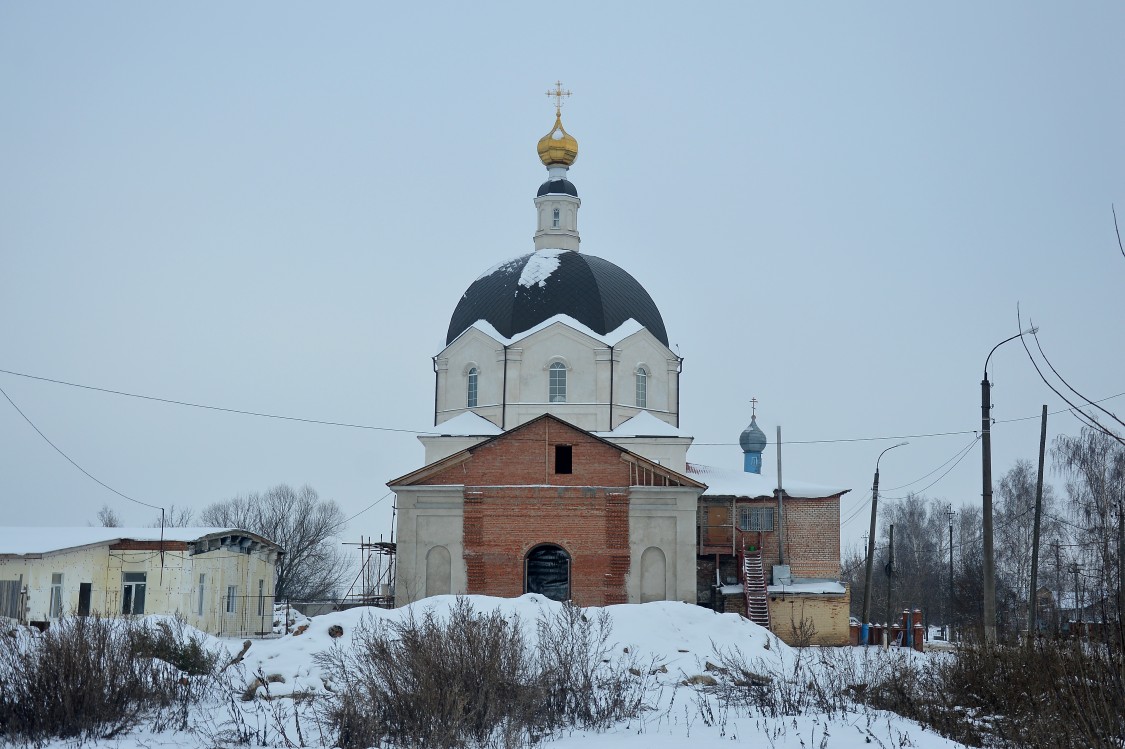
557	465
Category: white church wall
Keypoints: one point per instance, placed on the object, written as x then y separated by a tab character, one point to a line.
642	349
663	518
670	452
472	349
589	379
429	517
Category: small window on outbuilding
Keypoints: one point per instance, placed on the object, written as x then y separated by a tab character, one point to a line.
563	459
755	518
133	592
56	596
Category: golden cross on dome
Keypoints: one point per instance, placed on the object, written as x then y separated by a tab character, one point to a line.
558	93
753	408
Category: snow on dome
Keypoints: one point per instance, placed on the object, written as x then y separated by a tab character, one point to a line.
520	293
540	267
467	424
723	482
503	266
614	337
643	424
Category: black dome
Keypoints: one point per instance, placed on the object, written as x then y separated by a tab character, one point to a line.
557	187
521	293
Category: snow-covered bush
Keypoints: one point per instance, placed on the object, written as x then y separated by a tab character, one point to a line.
89	678
477	679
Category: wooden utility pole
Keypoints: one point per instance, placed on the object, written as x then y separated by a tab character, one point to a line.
890	573
950	514
1032	610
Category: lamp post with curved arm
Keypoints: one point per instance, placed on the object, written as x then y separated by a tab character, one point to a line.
864	625
986	481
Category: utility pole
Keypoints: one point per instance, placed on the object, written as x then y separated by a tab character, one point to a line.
1032	608
1058	587
949	513
1077	610
780	505
890	573
871	547
1120	570
986	481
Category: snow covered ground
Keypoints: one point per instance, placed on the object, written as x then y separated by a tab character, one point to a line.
684	638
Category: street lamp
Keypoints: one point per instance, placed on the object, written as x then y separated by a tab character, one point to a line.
986	480
871	547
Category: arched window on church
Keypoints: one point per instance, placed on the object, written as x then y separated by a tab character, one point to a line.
557	383
471	395
642	387
555	219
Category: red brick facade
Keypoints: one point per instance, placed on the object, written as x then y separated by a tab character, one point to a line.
514	501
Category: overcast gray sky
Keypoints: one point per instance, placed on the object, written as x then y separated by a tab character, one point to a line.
275	207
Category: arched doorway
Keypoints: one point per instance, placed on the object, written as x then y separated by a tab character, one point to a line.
547	572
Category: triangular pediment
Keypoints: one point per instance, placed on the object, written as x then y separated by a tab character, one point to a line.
652	471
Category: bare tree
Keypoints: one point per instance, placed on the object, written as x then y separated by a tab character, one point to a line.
1094	466
107	518
176	517
1015	521
304	525
920	540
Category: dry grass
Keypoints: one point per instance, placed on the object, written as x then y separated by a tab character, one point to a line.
90	678
473	680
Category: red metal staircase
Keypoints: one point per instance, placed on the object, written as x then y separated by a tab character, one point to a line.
754	587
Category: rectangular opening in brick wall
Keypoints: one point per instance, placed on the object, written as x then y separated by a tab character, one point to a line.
563	459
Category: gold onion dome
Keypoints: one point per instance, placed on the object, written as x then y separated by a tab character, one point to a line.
558	147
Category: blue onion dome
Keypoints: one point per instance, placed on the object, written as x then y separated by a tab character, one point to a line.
753	439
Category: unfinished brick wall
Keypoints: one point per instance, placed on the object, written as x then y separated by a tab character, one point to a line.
812	537
812	534
514	501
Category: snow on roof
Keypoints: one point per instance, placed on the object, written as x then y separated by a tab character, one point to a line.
626	329
643	424
804	587
539	268
31	540
467	424
723	482
820	587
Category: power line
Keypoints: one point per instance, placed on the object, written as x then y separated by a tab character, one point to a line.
939	478
213	408
365	509
372	427
71	461
959	456
943	465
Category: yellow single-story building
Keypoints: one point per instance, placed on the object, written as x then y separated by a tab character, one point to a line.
220	580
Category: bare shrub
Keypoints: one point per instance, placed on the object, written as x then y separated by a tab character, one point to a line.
472	680
171	641
90	678
583	683
780	684
1055	693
